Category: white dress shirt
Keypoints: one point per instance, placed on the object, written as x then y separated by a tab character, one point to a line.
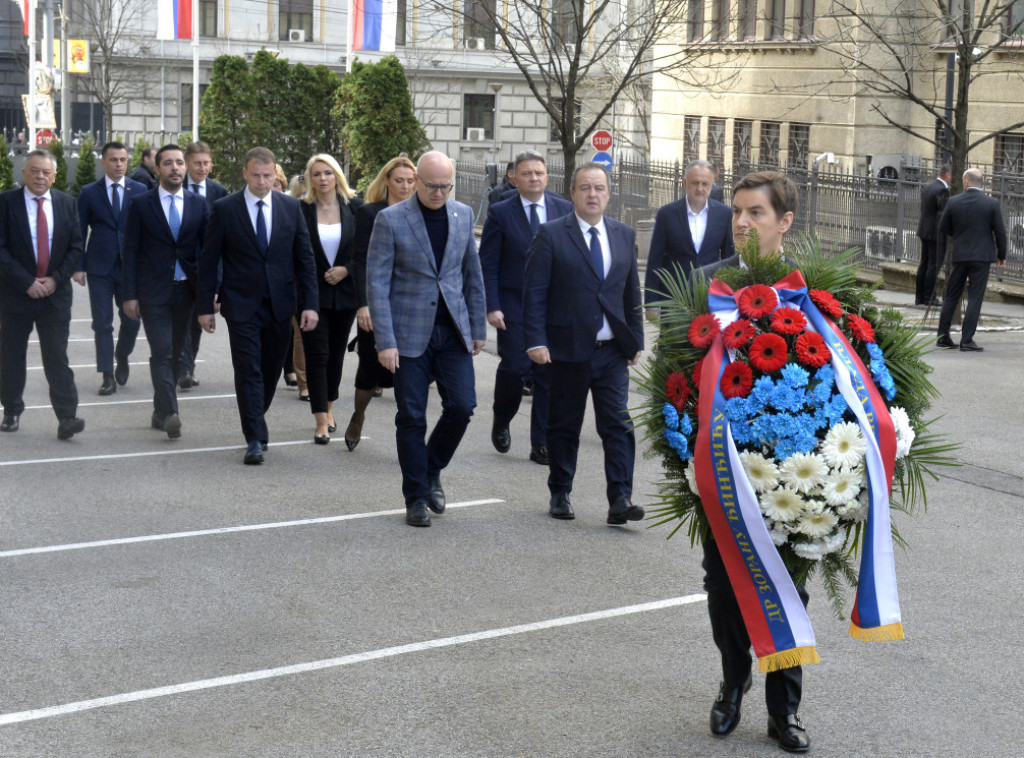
198	187
542	212
110	193
33	208
698	221
605	332
250	203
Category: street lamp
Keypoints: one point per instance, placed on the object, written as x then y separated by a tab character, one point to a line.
496	86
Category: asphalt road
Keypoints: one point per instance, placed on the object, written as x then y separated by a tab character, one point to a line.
140	615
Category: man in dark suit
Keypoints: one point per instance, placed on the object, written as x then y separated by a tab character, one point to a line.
260	239
103	209
162	234
146	172
199	162
716	192
581	315
508	231
934	196
426	299
504	188
688	233
975	223
40	246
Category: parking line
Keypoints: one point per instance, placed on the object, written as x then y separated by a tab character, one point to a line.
135	402
224	530
147	454
346	660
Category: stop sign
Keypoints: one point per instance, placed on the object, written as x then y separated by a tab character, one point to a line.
44	137
602	140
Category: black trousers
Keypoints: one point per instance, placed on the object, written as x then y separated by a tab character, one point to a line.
104	293
975	275
932	253
167	327
257	356
513	371
190	346
52	325
782	689
325	356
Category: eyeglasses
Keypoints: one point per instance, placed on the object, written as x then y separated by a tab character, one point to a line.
444	189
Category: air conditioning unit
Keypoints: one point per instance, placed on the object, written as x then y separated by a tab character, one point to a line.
296	35
570	50
882	243
474	134
475	43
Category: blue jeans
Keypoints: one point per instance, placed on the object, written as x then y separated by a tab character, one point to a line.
448	363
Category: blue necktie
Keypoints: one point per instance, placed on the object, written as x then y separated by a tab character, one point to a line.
596	257
195	188
115	201
261	229
174	221
534	220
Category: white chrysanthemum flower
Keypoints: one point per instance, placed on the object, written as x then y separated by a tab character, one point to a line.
904	431
817	523
833	542
810	551
783	504
691	477
841	487
856	511
803	471
762	473
844	445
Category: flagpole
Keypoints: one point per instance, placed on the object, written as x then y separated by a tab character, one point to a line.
348	37
195	70
31	115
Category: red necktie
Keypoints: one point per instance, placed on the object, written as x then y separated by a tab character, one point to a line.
42	240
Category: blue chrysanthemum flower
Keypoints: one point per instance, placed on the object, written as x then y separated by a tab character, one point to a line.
794	375
685	424
678	443
671	416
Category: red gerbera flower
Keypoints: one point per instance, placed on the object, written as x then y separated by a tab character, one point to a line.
703	331
860	328
677	389
757	300
696	374
737	379
768	353
737	334
826	302
811	350
788	321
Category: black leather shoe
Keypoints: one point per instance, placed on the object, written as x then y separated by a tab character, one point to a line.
264	445
10	423
539	454
253	454
157	421
970	347
945	341
559	507
108	387
332	428
321	439
69	427
789	733
121	370
500	437
725	713
187	382
622	510
416	514
437	501
172	425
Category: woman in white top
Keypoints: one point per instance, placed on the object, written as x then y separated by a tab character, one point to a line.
329	208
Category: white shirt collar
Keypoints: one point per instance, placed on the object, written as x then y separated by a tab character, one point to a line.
944	182
192	182
32	197
164	194
528	203
109	181
251	199
585	227
692	212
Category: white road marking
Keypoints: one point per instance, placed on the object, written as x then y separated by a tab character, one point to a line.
146	454
181	397
140	338
224	530
90	365
346	660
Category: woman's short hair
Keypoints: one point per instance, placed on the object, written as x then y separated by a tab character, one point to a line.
280	177
782	190
340	184
378	189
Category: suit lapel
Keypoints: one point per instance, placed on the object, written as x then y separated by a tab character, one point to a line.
242	211
687	235
576	234
419	231
158	208
451	248
24	230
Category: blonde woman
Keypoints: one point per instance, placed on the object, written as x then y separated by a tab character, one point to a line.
329	208
295	359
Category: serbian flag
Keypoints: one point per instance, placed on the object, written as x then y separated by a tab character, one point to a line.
773	613
25	11
174	19
372	24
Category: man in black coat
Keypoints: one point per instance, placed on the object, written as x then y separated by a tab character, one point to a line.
40	246
975	223
934	196
146	172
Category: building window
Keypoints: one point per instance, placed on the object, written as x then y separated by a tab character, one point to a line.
691	138
799	145
746	17
186	104
770	133
775	26
1009	154
400	23
296	21
563	22
806	19
742	132
694	20
716	141
1013	22
478	117
720	19
576	120
207	18
478	26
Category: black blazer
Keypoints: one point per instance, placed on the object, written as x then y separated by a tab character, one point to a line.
975	222
142	176
934	197
563	298
103	248
214	190
150	251
18	259
366	215
286	274
340	296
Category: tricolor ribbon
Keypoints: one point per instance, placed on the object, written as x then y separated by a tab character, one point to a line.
775	618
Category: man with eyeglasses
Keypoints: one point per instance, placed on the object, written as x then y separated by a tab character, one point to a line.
426	298
508	231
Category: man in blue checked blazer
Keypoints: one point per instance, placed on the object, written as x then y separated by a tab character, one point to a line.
426	299
102	212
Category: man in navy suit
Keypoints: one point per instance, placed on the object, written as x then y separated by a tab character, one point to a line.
146	172
688	233
426	299
508	231
162	234
260	239
40	245
581	315
934	197
199	162
103	208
